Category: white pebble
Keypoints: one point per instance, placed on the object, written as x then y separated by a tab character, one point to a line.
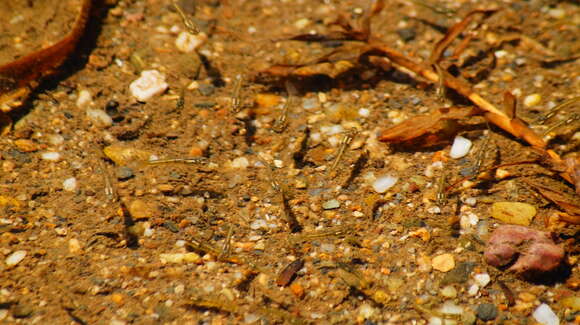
482	279
384	182
302	23
54	139
468	222
545	316
471	201
50	156
450	308
259	224
532	100
366	311
473	290
240	163
557	13
460	147
69	184
179	289
149	84
84	99
364	112
187	42
15	258
99	117
251	318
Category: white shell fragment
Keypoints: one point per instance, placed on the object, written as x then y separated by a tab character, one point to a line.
545	316
460	147
384	182
15	258
149	84
187	42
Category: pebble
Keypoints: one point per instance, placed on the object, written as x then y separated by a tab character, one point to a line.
26	145
240	163
74	246
473	290
302	23
69	184
406	34
532	100
149	84
251	318
450	308
366	311
557	13
139	209
99	117
384	182
331	204
259	224
310	103
50	156
187	42
460	147
545	316
55	139
443	262
22	311
206	89
364	112
449	292
179	258
482	279
572	302
516	213
486	312
124	173
84	99
15	258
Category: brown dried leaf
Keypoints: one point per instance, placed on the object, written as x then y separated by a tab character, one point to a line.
566	201
424	124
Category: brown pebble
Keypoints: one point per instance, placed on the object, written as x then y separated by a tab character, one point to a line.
26	145
297	289
288	273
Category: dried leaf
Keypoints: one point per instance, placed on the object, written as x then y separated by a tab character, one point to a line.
421	125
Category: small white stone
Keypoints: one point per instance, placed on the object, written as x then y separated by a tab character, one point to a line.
471	201
54	139
99	117
384	182
449	292
450	308
179	289
532	100
278	163
482	279
473	290
545	316
15	258
187	42
302	23
50	156
557	13
149	84
259	224
251	318
366	311
84	99
460	147
74	246
240	163
364	112
69	184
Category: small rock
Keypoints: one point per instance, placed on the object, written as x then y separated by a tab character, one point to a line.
99	117
15	258
532	100
557	13
460	147
297	290
187	42
406	34
140	209
460	274
69	184
122	155
384	182
264	100
179	258
25	145
473	290
331	204
450	308
572	302
486	312
366	311
240	163
482	279
74	246
84	99
149	84
50	156
516	213
124	173
443	262
302	23
449	292
545	316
